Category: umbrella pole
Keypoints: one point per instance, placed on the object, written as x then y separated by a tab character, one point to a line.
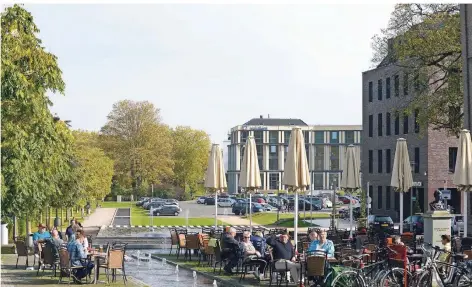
250	212
311	209
216	210
295	221
401	213
465	213
350	216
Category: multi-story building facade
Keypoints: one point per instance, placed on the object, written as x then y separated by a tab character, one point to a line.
325	146
432	153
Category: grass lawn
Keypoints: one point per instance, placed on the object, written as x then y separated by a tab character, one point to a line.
271	218
140	216
290	223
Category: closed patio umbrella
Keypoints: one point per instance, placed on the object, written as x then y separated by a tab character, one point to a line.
296	174
250	176
402	179
215	178
463	171
351	178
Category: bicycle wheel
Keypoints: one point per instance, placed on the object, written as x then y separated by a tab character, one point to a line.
425	279
395	278
463	280
348	279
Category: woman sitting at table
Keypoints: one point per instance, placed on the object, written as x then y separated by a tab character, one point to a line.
322	244
251	254
77	255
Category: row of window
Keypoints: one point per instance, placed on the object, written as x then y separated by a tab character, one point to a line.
379	197
396	87
389	162
274	137
318	180
388	124
318	157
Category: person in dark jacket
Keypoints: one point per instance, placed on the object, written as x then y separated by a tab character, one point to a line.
69	230
284	255
231	250
259	242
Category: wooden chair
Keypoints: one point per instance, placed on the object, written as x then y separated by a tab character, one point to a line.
182	244
174	241
192	243
21	251
203	244
66	268
315	266
114	262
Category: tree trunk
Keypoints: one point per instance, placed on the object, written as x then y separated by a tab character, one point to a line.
28	231
15	228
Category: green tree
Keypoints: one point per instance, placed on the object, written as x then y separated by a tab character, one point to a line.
424	40
95	167
190	154
35	145
139	144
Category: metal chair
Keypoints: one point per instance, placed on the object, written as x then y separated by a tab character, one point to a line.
182	244
114	262
21	251
191	243
315	266
66	268
217	257
174	241
50	258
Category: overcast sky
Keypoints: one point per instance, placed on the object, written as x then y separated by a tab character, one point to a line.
212	67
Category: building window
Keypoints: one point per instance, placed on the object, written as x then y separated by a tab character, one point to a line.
371	161
387	87
405	84
333	180
334	137
379	161
274	181
417	125
388	161
371	92
244	135
259	156
371	125
452	158
371	192
285	153
388	125
319	158
262	181
287	137
405	124
318	181
306	136
388	195
397	124
258	137
380	197
349	137
273	137
319	137
396	86
417	160
379	90
273	149
379	125
273	163
334	158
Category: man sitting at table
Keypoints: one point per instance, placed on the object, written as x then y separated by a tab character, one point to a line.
284	255
323	244
77	255
231	250
41	235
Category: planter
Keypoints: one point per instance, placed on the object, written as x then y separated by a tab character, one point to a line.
4	234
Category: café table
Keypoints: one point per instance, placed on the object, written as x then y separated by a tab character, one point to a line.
96	256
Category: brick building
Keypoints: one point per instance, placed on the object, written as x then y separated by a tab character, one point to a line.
432	153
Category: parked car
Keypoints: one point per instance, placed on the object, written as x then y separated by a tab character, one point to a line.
382	223
209	201
141	201
154	204
225	202
258	200
241	208
201	200
327	203
345	199
414	223
268	207
457	223
168	210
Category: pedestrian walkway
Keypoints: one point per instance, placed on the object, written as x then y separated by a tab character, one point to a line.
101	216
234	220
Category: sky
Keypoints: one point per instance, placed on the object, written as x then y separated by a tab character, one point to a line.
212	67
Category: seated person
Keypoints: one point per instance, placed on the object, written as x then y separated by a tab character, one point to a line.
77	254
230	250
397	240
259	242
323	244
40	236
284	255
313	239
55	239
251	254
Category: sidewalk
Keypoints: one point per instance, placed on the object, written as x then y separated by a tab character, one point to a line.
101	216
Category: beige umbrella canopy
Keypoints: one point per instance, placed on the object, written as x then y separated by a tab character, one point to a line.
296	173
351	179
215	178
463	170
250	176
402	179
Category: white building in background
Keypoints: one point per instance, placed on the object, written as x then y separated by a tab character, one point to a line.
325	145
